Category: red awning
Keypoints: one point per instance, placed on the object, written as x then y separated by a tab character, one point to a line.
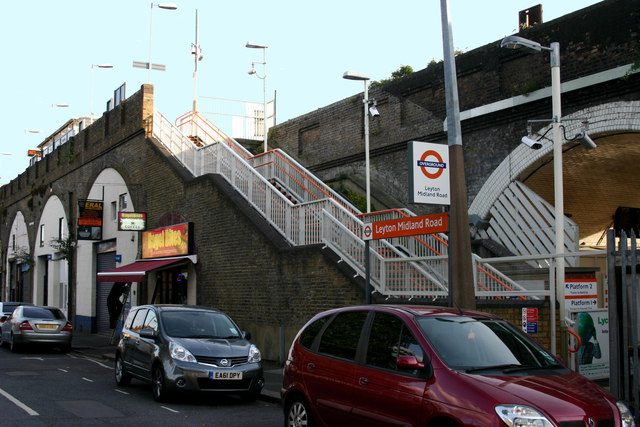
135	271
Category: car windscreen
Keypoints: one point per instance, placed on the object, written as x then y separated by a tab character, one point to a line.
198	324
478	344
42	313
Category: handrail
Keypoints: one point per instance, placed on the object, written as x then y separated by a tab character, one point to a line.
300	223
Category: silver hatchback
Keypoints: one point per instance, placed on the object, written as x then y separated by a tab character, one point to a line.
36	325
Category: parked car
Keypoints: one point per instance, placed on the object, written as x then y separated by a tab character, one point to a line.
433	366
29	324
7	307
187	348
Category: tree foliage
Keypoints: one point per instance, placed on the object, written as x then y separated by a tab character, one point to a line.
401	72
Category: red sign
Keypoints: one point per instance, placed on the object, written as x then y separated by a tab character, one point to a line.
168	241
426	224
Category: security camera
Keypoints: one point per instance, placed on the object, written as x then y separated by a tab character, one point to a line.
585	141
373	111
531	143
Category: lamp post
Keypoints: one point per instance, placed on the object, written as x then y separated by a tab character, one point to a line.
514	42
264	83
354	75
92	67
166	6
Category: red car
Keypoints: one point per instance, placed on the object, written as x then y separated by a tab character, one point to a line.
392	365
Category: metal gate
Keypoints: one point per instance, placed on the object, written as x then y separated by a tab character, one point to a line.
106	261
623	269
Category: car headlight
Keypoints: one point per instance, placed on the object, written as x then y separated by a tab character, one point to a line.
178	352
254	354
522	416
626	419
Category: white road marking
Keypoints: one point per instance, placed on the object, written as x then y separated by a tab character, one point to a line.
170	410
18	403
33	358
92	360
120	391
87	380
63	370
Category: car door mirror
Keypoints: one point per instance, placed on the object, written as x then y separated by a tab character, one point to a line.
148	333
411	363
3	318
246	335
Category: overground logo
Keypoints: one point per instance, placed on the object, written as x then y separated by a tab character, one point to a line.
423	163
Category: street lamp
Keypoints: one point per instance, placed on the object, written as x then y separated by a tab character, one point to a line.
166	6
92	67
354	75
264	83
515	42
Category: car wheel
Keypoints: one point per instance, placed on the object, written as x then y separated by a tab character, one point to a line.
13	345
122	378
158	384
299	414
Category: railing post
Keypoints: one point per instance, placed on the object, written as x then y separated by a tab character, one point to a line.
301	225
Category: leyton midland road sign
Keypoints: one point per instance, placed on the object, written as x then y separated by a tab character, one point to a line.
426	224
429	173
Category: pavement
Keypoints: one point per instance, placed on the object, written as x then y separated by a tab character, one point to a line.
99	346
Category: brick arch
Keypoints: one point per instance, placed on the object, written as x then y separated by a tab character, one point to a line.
604	119
97	168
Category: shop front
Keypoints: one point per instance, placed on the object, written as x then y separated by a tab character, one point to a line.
165	274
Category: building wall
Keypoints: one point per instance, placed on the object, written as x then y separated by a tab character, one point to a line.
244	267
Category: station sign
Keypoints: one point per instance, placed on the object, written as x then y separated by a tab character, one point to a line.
581	294
426	224
429	173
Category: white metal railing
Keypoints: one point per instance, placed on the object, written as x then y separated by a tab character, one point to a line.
405	266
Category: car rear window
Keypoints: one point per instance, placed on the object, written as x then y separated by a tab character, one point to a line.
341	337
42	313
309	334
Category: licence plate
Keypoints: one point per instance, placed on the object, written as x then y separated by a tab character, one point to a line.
225	375
47	326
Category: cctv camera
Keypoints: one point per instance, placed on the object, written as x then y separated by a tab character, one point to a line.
585	141
531	143
374	111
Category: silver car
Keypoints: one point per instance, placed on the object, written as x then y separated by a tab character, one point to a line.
36	325
187	348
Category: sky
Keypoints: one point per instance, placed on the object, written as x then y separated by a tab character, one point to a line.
50	52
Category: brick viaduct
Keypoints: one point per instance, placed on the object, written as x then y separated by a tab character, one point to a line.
248	270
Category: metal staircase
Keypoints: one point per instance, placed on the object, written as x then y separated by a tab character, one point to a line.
307	211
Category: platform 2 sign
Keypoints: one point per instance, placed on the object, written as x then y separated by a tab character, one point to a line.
426	224
581	294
